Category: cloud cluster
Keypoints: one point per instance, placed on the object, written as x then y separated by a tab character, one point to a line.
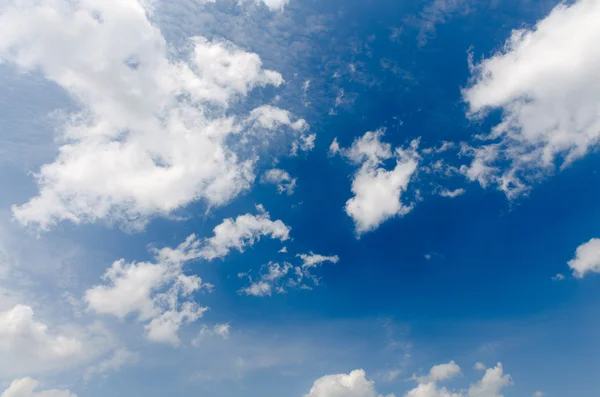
159	293
355	384
377	191
285	183
151	129
279	277
545	82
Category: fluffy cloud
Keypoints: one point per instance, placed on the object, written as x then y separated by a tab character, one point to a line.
441	372
545	82
150	133
242	231
159	293
285	183
26	387
354	384
491	384
587	258
275	276
377	191
28	346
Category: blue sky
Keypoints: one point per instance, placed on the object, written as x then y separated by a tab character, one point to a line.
299	198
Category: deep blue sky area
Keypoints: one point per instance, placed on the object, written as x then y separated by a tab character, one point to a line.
469	274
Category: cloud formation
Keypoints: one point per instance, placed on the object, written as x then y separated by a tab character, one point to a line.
150	130
377	191
545	82
587	259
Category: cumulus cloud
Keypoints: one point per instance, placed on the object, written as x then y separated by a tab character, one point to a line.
354	384
285	183
26	387
545	82
150	132
377	191
441	372
28	346
242	231
587	259
279	277
491	384
158	293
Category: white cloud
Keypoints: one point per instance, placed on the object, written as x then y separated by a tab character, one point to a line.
312	260
452	193
377	191
587	258
538	394
159	293
244	230
443	371
120	358
26	387
149	136
491	384
430	389
558	277
273	5
28	346
276	277
545	82
354	384
264	286
285	183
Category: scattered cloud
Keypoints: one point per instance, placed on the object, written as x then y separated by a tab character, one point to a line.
354	384
285	183
587	258
158	293
452	193
26	387
279	277
549	95
242	231
538	394
378	191
312	260
491	384
150	132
